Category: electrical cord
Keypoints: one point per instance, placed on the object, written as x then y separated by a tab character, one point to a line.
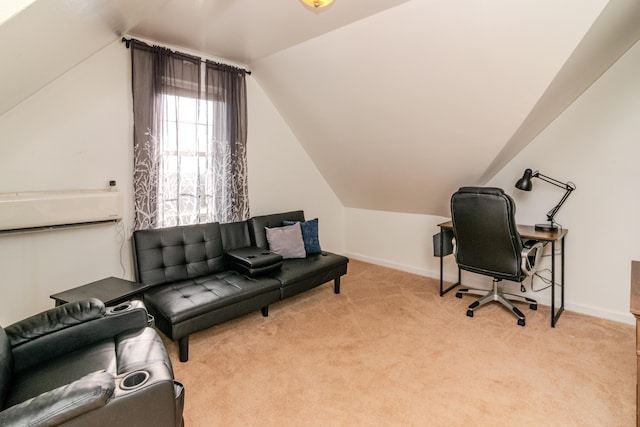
546	280
120	238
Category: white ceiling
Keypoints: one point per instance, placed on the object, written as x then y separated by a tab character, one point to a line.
398	102
247	30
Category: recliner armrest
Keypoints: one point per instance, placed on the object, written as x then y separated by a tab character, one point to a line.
63	403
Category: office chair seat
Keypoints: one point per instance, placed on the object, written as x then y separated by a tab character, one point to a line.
487	242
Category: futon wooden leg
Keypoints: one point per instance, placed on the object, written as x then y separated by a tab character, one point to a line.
183	346
265	311
336	286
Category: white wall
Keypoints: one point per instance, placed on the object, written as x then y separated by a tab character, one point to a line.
595	144
283	177
76	133
396	240
73	134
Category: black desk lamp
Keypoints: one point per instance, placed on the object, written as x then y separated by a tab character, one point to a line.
525	184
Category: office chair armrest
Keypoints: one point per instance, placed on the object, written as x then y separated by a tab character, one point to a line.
531	253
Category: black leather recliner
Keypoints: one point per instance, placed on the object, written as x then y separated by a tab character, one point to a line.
83	364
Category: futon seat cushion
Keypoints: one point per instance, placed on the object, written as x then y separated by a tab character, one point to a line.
180	301
298	275
299	269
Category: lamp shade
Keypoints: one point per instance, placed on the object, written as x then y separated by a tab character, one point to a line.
317	3
524	183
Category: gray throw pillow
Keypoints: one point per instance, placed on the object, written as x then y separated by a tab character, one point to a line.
286	241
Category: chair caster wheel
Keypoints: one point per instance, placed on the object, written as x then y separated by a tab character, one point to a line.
470	313
533	306
521	322
458	295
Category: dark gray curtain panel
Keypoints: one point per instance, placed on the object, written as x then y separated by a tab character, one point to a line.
226	96
189	143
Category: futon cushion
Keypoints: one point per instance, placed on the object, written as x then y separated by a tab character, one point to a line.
294	270
187	299
258	225
286	241
235	235
173	254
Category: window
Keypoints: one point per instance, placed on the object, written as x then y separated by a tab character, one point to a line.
189	139
186	187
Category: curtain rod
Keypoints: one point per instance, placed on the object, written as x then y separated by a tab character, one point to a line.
127	43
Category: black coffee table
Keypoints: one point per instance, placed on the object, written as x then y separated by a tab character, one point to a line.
111	291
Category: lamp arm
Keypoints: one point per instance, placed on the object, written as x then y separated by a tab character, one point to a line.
552	212
553	181
569	187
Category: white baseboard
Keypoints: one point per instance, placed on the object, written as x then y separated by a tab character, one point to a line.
402	267
541	297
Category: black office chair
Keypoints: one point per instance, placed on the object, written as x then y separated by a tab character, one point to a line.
487	242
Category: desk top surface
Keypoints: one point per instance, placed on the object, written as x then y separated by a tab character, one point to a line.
526	231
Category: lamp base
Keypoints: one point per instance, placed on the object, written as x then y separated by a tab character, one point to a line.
546	227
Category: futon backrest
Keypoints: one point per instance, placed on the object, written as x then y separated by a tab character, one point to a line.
235	235
6	367
257	226
166	255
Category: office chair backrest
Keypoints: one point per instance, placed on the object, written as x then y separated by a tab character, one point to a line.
487	240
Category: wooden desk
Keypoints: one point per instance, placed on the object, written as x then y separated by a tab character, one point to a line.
527	232
635	310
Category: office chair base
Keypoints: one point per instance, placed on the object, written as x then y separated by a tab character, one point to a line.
495	295
521	320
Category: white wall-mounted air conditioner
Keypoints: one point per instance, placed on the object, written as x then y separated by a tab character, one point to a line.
58	208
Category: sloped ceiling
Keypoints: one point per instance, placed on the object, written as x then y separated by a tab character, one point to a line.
398	102
49	37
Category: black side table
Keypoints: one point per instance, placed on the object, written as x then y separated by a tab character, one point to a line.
110	291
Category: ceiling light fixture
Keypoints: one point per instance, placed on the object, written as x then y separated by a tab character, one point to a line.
317	3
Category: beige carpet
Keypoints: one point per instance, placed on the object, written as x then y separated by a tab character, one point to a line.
388	351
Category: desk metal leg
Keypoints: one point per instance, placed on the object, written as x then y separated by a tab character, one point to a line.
441	264
553	283
444	291
555	316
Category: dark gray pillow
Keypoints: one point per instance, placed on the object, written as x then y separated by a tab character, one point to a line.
286	241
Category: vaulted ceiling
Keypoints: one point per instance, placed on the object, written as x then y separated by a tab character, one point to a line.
397	102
